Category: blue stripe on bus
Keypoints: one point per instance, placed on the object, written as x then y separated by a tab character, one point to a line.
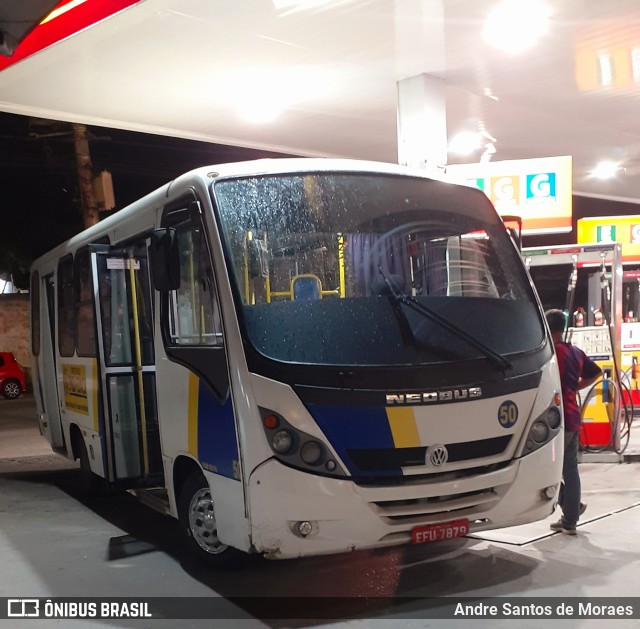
217	441
360	428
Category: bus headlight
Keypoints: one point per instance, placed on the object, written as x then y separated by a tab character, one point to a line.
282	442
297	448
554	419
311	452
544	428
539	432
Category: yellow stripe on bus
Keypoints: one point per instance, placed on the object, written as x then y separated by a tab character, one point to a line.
192	444
402	422
94	393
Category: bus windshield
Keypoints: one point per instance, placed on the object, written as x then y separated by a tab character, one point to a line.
318	261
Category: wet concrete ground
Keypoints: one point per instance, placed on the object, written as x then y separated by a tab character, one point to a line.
56	543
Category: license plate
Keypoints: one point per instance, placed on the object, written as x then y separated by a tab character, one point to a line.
439	532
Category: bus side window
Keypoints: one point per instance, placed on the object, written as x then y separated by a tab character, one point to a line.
66	307
194	317
85	329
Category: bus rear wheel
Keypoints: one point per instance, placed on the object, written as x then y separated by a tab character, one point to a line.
196	514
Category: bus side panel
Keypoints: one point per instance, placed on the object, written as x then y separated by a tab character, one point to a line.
79	393
195	424
217	441
172	381
231	519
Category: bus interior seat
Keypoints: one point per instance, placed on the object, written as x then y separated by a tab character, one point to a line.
306	286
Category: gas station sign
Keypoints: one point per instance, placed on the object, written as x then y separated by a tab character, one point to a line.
538	190
606	229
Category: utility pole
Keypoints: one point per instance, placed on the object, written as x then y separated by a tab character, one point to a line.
88	206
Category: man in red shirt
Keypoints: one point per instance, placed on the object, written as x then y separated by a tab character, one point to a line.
577	371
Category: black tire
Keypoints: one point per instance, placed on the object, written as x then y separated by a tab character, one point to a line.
197	521
11	389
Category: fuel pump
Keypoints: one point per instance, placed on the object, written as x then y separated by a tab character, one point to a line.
624	230
609	431
606	416
630	335
571	290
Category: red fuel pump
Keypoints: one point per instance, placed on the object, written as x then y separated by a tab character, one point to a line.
596	330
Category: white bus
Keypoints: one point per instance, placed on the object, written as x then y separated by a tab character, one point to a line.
302	356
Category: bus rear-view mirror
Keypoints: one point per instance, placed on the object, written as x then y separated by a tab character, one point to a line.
164	259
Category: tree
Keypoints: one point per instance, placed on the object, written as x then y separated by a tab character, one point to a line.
88	207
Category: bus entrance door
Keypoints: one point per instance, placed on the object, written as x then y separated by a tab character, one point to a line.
50	420
124	319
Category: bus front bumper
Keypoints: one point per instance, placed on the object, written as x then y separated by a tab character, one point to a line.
295	514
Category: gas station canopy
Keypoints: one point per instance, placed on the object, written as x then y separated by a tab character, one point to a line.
321	77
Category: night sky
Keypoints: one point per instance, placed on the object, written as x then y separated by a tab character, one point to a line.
39	198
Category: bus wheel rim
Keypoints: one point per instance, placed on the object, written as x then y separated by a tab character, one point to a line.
202	523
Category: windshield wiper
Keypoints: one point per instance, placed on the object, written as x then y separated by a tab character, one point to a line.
399	297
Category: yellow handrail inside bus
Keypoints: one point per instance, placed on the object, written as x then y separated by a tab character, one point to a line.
247	288
138	365
341	244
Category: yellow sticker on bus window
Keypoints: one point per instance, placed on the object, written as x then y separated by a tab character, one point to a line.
74	380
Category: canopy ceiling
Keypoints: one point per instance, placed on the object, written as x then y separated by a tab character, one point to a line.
191	68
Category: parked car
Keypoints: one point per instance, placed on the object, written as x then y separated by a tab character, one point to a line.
12	382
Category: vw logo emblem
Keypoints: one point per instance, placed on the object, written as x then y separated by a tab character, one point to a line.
437	456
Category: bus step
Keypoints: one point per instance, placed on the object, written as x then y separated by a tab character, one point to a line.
156	498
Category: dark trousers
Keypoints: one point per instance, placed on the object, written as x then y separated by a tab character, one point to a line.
569	499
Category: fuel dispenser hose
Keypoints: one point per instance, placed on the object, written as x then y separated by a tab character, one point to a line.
615	386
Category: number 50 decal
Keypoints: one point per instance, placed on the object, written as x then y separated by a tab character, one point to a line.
508	414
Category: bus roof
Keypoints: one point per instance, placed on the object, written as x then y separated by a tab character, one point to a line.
269	166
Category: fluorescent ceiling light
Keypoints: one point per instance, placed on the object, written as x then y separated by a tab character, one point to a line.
259	95
515	25
465	143
285	7
635	64
605	65
60	10
605	170
259	112
468	141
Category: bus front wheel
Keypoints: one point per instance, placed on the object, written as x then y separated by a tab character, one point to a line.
196	514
